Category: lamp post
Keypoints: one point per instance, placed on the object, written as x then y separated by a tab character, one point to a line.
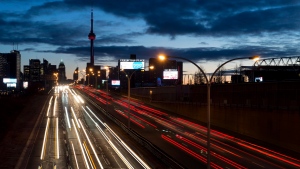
88	79
208	83
107	77
128	96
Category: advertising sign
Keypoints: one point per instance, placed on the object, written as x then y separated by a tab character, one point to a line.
132	63
170	74
9	80
115	82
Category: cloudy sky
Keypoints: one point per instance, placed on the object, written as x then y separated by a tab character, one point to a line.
204	31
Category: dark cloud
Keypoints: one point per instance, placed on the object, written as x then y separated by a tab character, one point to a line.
113	53
221	18
213	18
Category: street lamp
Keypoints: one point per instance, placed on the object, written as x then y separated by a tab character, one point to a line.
107	77
128	96
208	83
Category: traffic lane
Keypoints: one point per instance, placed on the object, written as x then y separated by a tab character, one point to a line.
142	152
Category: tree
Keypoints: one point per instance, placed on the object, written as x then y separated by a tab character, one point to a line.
220	75
199	78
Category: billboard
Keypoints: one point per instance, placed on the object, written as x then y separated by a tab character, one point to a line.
9	80
170	74
115	82
25	85
258	79
132	63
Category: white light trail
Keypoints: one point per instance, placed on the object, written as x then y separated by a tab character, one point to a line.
126	162
127	148
54	108
49	106
75	117
88	155
79	98
82	151
45	135
133	154
89	141
68	118
95	116
75	155
57	140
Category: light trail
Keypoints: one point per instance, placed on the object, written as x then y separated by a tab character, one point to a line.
68	118
49	106
57	140
75	117
126	162
127	148
78	138
139	160
89	141
89	155
54	108
44	142
75	155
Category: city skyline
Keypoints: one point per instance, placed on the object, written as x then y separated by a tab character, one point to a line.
207	33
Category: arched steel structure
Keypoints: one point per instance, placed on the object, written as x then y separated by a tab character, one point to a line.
282	61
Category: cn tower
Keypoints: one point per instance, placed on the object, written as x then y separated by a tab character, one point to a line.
92	37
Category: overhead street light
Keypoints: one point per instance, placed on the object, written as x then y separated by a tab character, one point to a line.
128	92
208	83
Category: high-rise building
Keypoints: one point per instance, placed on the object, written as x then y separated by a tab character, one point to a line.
61	73
35	70
10	64
75	74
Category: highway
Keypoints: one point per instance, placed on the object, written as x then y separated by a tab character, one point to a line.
72	135
185	140
80	127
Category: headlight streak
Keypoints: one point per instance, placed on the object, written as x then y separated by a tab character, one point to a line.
54	108
115	148
68	118
79	141
127	148
74	155
75	117
89	141
89	155
74	95
95	116
44	142
49	106
133	154
81	100
57	140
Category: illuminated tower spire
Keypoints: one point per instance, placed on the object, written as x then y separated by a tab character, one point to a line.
92	37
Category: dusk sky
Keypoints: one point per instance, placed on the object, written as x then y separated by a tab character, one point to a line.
207	32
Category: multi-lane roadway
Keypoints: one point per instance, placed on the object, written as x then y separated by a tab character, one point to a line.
185	140
81	127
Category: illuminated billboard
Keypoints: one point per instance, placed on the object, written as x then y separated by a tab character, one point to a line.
132	63
9	80
25	85
170	74
115	82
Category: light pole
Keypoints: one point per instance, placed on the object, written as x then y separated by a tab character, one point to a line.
208	83
88	79
107	77
128	96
